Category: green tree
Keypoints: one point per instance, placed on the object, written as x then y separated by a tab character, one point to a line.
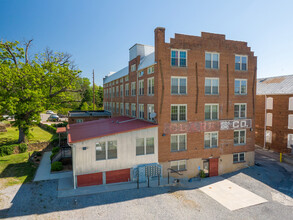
29	87
84	107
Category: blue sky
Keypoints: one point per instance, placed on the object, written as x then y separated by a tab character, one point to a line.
99	33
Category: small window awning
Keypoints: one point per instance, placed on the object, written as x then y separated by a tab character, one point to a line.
61	130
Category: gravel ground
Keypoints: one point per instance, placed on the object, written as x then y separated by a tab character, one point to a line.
39	200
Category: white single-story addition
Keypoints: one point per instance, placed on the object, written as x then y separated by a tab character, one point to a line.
106	151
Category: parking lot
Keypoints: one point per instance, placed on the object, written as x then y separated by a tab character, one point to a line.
270	180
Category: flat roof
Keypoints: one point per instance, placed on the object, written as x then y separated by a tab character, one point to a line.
88	113
105	127
61	130
278	85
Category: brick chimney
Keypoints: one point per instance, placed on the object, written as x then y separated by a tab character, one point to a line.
159	40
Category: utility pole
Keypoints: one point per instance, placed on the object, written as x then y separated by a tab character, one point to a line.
93	90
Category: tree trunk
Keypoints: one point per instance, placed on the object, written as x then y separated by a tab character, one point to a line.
21	137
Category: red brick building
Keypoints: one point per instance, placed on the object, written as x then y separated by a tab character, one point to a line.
274	113
201	91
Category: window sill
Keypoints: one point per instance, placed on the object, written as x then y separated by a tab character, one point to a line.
211	119
239	162
240	94
173	151
179	94
236	145
180	67
205	148
178	121
212	94
213	69
238	71
179	171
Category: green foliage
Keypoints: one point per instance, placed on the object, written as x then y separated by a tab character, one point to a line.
55	150
22	148
48	128
56	166
62	124
84	107
6	150
202	174
39	153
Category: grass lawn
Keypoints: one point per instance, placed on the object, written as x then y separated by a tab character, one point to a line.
11	136
16	169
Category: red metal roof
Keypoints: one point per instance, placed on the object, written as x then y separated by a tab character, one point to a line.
104	127
61	130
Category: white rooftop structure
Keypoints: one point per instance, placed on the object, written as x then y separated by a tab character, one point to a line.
275	85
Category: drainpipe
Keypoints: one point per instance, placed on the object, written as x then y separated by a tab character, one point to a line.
137	86
265	124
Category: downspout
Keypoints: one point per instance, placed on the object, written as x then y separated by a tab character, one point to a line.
137	86
265	123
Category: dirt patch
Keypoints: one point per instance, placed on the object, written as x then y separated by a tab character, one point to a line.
188	203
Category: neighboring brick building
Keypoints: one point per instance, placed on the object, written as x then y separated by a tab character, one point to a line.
274	113
202	90
84	116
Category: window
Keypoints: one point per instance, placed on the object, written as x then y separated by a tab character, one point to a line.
239	137
151	85
127	108
178	58
121	109
133	67
106	150
117	91
178	85
141	87
269	121
270	103
178	165
79	120
211	111
126	78
113	91
110	92
290	121
151	109
240	62
151	69
239	110
133	88
121	80
210	139
178	142
178	112
117	81
145	146
141	111
117	107
211	86
268	136
121	90
133	110
240	87
141	73
238	157
126	89
212	60
291	104
290	141
114	107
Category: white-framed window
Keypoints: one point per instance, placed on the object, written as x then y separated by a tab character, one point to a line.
145	146
133	88
114	108
121	90
133	109
241	62
141	111
179	112
141	87
121	80
178	165
178	85
141	73
178	58
210	139
151	109
127	89
240	110
269	136
106	150
178	142
270	103
240	87
211	86
127	108
126	78
269	121
110	92
151	86
211	111
133	67
117	107
113	91
290	121
151	70
121	109
290	104
79	120
239	137
212	60
290	141
239	157
117	91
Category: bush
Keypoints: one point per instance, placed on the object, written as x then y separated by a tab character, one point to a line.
6	150
56	166
49	128
55	150
202	174
22	148
39	154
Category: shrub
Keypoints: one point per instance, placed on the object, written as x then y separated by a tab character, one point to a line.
56	166
55	150
22	148
48	128
202	174
6	150
39	154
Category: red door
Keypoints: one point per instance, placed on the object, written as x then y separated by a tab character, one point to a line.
90	179
214	167
117	176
